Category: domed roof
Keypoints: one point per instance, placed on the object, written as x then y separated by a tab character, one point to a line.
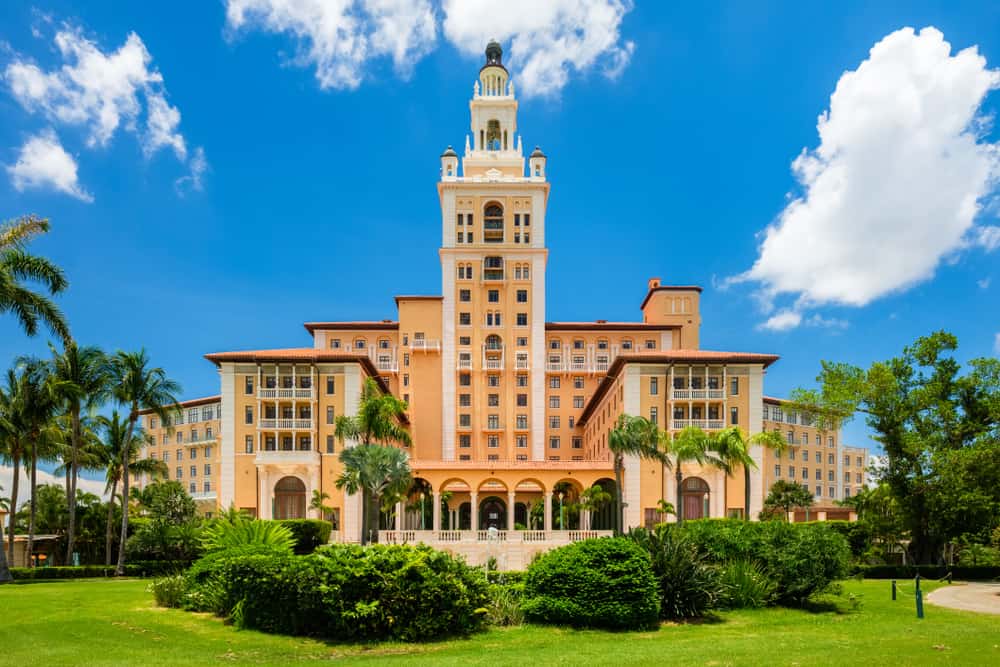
537	152
449	152
494	56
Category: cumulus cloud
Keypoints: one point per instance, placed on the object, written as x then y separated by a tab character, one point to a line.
548	40
7	474
340	37
791	318
895	186
193	181
101	92
44	164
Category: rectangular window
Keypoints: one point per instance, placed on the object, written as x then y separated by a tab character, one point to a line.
493	421
554	402
406	379
522	380
847	460
248	385
521	442
464	295
180	454
577	382
194	471
522	319
777	471
464	457
578	402
465	400
860	462
492	380
207	469
493	296
790	437
654	386
179	473
554	421
527	219
654	415
577	442
819	455
464	380
465	441
329	444
805	473
554	442
831	476
192	487
650	344
465	340
248	415
493	441
522	296
819	475
329	415
465	319
522	421
517	219
493	400
465	420
734	416
734	387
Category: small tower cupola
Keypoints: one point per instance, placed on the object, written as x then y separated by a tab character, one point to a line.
449	164
493	76
536	164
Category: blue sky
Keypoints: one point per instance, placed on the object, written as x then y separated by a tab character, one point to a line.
671	131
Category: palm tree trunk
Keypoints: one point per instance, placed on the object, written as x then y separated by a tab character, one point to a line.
5	576
71	491
680	498
31	514
109	534
126	458
746	492
14	484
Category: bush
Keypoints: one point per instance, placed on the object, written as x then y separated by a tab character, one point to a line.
802	559
136	569
230	532
169	591
745	584
342	592
505	604
600	583
688	585
308	533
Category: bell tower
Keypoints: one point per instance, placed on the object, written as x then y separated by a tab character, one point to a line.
493	261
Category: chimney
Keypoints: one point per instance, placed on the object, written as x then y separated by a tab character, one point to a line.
654	283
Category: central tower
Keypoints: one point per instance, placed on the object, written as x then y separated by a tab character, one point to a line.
493	260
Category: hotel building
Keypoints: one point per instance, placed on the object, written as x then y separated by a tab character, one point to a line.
509	413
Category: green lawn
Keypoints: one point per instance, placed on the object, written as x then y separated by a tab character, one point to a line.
98	622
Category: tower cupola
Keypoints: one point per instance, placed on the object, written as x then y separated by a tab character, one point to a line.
493	76
536	164
449	163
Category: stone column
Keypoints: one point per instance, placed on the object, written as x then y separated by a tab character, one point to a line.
314	483
264	511
436	499
584	519
400	509
474	514
547	523
510	510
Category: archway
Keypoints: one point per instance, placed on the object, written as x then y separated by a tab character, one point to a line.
603	518
492	513
290	498
694	498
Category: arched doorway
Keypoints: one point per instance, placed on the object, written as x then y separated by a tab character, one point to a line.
289	498
492	514
603	518
694	498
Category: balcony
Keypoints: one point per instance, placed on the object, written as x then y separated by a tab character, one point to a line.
286	424
203	438
287	457
704	424
285	392
521	364
554	366
386	364
203	495
465	364
446	537
424	345
493	426
493	364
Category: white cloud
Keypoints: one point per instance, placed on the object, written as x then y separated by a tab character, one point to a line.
339	37
43	163
792	318
101	92
24	488
900	174
983	283
547	39
193	181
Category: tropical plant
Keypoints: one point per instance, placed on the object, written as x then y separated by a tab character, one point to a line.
115	451
233	532
80	376
593	499
5	576
633	436
139	386
318	503
688	585
746	585
37	410
375	471
692	445
665	507
785	496
12	441
18	266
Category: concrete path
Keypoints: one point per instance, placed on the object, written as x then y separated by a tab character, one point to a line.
982	598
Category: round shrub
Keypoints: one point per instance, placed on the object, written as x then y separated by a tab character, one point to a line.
599	583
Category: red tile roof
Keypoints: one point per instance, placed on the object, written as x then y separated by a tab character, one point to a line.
379	325
192	403
668	288
608	326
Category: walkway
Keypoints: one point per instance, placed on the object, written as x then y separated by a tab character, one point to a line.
982	598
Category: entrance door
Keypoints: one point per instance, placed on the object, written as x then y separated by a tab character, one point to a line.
694	498
289	499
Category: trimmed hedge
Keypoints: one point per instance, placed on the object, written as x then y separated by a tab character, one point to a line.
309	534
802	559
598	583
958	572
341	592
153	568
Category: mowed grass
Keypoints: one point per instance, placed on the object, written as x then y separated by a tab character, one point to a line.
114	622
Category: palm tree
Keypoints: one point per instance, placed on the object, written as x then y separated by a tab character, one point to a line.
378	419
17	266
692	445
592	500
376	471
12	440
732	448
318	503
38	405
139	386
114	451
81	376
633	436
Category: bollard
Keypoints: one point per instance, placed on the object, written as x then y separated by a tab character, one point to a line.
893	589
920	603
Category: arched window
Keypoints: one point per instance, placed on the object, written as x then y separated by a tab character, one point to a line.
493	268
494	342
493	223
493	135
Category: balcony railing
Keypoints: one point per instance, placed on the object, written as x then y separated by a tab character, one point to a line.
699	423
285	392
202	438
521	364
432	537
287	456
425	345
687	394
493	364
286	424
465	364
